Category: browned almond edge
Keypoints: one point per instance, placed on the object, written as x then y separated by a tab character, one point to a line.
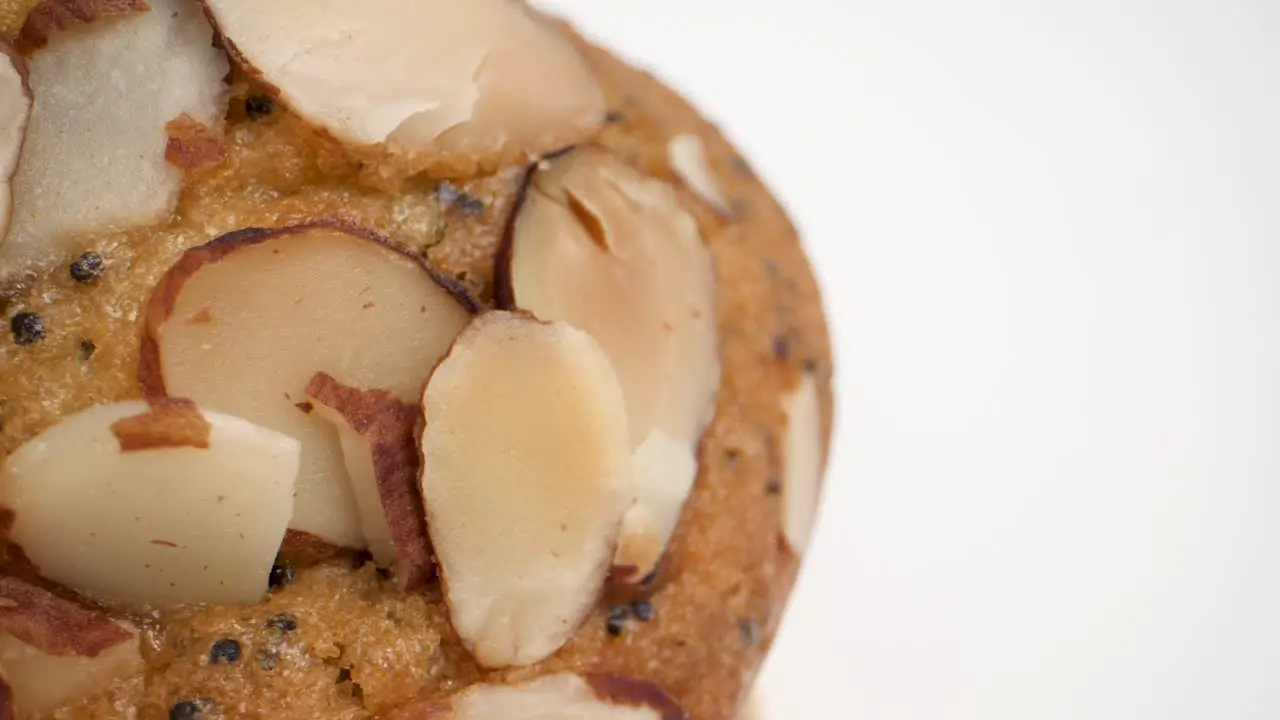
618	690
504	295
51	16
165	296
192	144
53	625
302	549
392	428
169	423
6	701
503	289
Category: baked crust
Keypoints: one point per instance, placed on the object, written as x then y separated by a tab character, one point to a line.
342	641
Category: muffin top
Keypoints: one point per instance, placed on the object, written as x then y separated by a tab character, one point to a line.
386	359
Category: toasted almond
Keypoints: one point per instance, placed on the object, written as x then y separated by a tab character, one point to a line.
152	525
525	463
803	463
167	423
53	651
613	252
379	437
243	323
53	625
192	144
104	93
53	16
40	682
490	82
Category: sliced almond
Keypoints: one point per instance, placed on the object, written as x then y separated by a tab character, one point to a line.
94	159
53	16
53	651
608	250
54	625
663	471
803	462
378	433
128	504
687	155
525	462
15	108
243	323
448	86
564	695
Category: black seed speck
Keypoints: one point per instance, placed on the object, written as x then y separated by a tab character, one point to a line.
258	106
613	117
643	610
470	205
775	486
749	631
281	576
226	650
87	268
811	365
615	626
284	622
781	347
190	709
617	621
27	327
87	349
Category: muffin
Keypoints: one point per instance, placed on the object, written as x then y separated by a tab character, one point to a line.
393	359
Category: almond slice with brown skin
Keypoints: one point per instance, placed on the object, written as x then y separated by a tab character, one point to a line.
15	108
525	463
142	505
103	95
243	323
613	252
804	458
564	695
53	651
53	16
379	438
489	80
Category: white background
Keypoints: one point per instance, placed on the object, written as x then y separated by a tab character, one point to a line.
1049	234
